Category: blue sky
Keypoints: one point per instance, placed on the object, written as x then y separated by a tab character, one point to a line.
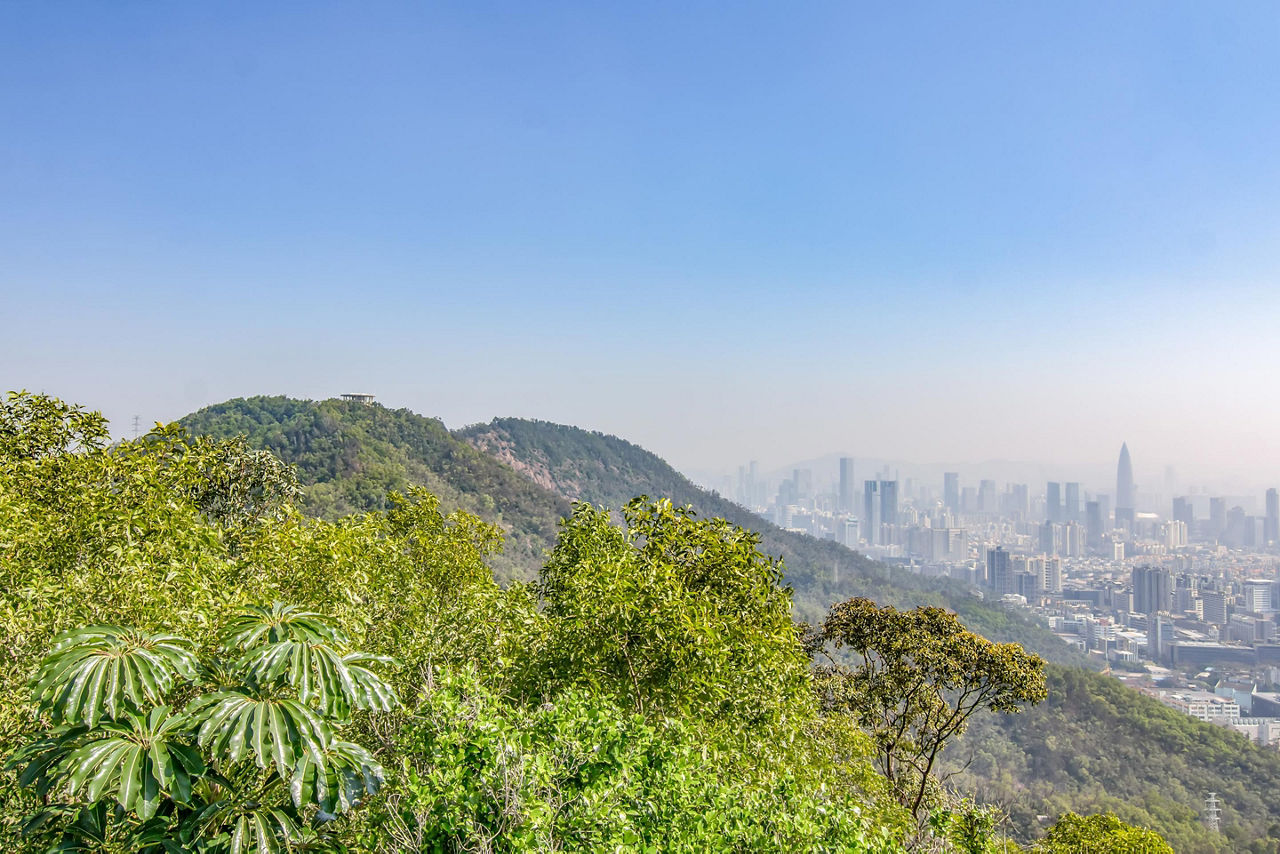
726	231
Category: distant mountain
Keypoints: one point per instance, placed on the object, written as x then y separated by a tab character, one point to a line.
583	465
349	456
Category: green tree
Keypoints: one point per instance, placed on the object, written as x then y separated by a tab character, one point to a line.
253	762
578	773
1100	834
919	677
671	614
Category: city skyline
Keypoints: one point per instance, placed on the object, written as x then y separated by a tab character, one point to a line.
1098	477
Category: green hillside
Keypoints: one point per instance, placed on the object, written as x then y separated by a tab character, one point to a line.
1098	745
349	456
1094	745
582	465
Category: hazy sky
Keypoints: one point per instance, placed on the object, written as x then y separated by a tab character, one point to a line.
724	231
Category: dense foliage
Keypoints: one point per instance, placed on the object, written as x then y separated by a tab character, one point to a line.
253	762
519	729
1100	834
349	457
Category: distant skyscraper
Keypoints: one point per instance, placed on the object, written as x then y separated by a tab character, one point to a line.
1152	590
1072	544
1124	490
1093	524
1273	518
1217	517
1183	511
889	502
1072	509
1053	502
951	491
848	488
987	496
1000	572
1049	538
871	510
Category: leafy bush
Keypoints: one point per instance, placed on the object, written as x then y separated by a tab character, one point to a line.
254	762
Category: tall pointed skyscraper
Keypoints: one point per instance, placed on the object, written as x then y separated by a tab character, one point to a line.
1124	490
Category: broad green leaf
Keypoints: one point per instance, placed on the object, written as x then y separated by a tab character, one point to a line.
99	671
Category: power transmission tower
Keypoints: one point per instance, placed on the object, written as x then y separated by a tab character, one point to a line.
1212	813
137	425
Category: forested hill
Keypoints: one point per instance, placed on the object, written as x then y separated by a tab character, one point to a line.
522	474
1094	744
583	465
349	456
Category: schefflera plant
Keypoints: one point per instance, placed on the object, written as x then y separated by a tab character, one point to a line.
256	764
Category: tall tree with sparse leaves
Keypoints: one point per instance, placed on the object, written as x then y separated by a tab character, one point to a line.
919	676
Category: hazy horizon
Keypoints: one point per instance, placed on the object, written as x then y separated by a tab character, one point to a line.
939	234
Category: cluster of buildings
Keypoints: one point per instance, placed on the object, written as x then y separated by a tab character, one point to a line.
1182	599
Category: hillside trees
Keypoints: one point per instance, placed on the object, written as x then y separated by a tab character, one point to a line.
918	678
1100	834
670	613
93	534
652	682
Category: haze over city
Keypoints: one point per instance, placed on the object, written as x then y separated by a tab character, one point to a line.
923	235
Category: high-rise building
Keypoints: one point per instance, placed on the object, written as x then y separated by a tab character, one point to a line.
1073	539
889	502
951	491
1257	596
1072	509
1000	572
848	532
1273	518
1174	533
1184	512
1021	501
1234	534
1053	502
871	512
1049	538
1124	490
1093	524
1158	632
1217	517
987	497
879	509
1053	574
1214	606
1152	590
847	500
